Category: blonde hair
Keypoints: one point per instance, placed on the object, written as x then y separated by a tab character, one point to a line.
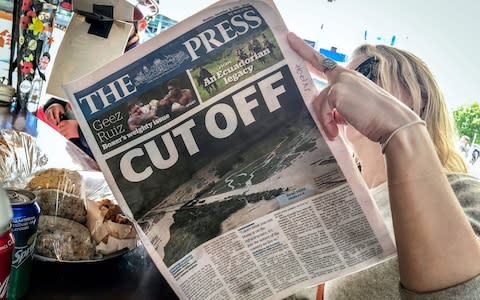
408	78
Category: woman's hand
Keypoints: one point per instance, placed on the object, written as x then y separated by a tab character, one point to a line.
69	129
352	98
54	113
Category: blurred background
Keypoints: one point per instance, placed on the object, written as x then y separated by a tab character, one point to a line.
442	33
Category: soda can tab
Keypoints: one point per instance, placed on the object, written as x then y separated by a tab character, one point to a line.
26	213
7	244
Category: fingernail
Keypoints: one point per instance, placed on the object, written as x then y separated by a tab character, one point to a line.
338	117
292	36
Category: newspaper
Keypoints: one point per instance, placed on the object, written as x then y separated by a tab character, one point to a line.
207	139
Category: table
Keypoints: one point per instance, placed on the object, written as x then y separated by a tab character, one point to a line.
130	276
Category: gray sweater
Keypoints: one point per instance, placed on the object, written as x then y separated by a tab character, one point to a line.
383	281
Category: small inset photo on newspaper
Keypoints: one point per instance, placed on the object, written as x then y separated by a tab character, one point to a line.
240	61
162	103
171	98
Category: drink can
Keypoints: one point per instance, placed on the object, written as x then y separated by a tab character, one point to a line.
26	213
7	243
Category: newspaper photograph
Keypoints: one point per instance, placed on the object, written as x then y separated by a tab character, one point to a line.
206	138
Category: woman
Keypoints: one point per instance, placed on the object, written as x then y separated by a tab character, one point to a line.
404	143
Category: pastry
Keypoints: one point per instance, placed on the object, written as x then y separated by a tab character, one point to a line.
110	229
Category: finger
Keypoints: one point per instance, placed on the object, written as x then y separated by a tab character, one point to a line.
55	115
325	114
309	54
339	119
315	71
51	117
312	57
59	115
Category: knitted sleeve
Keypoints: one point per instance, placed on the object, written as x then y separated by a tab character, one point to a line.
465	291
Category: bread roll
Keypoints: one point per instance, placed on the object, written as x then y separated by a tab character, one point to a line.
60	204
60	179
63	239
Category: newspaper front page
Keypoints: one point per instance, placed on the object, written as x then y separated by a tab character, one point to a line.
206	138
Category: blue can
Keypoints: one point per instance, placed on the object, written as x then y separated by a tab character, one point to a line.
26	213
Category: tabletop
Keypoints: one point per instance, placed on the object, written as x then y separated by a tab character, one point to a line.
130	276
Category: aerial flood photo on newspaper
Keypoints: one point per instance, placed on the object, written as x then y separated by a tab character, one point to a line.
253	175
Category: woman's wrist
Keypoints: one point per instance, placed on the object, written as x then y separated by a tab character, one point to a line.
396	131
411	155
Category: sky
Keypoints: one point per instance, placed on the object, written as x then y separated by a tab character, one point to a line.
444	33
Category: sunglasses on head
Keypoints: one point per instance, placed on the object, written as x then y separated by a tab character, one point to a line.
368	68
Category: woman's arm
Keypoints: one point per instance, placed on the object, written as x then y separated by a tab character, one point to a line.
437	247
